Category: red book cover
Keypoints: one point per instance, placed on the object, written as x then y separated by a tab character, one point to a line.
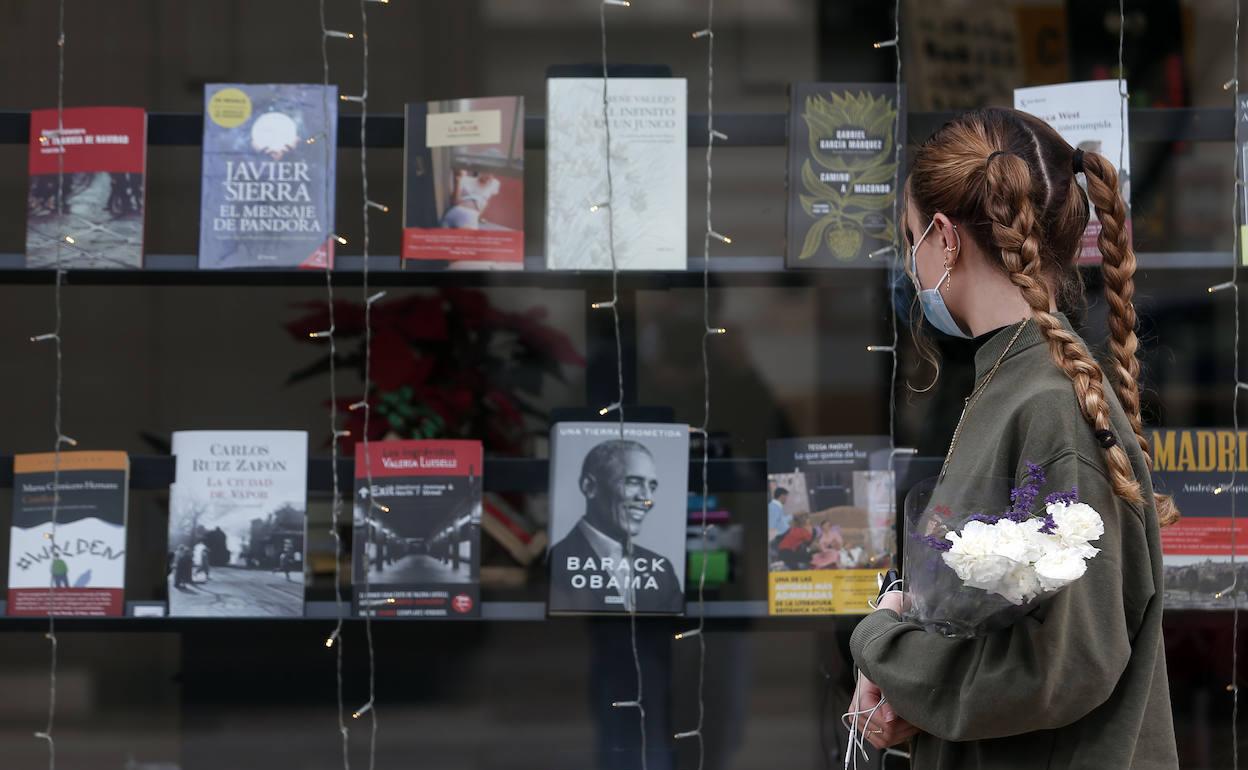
86	201
417	530
463	204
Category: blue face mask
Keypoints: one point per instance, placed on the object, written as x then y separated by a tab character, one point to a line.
933	303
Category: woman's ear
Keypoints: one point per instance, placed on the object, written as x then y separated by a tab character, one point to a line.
951	239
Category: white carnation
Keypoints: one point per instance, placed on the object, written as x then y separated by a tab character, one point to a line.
1060	567
1078	524
1021	541
1019	585
976	556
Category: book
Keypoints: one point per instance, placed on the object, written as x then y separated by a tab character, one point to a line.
95	220
831	523
608	493
416	548
842	173
1195	465
955	64
84	561
238	523
1091	116
268	176
648	191
463	194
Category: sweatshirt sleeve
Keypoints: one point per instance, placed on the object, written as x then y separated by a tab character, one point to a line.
1047	670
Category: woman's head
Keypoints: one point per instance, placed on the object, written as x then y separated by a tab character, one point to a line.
975	172
996	214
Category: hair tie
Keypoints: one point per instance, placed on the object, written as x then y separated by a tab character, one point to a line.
1076	162
992	155
1106	438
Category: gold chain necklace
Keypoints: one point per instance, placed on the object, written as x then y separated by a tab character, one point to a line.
970	400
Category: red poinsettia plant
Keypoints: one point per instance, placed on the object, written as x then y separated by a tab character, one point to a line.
446	364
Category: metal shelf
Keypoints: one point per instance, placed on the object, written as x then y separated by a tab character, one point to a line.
502	474
182	270
322	611
764	129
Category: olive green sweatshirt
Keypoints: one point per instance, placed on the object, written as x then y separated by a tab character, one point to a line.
1080	681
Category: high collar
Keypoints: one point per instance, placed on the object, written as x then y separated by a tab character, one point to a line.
1031	335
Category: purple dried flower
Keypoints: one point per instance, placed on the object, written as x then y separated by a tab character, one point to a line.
937	543
1023	497
984	517
1035	474
1049	525
1069	498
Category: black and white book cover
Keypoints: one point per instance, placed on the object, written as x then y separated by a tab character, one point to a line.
618	517
238	523
416	548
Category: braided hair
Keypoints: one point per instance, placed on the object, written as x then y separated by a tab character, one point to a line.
1011	181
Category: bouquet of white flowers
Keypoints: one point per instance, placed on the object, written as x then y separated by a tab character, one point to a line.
971	573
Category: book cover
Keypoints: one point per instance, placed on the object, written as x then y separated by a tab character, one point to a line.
1090	115
648	155
607	492
238	523
268	176
99	154
842	173
85	562
1195	465
463	195
416	548
831	513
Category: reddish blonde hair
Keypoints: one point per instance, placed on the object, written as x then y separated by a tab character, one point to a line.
1007	178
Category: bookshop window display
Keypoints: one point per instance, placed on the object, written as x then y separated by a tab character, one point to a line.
283	512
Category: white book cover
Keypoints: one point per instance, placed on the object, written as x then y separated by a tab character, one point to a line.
77	567
238	523
1092	117
648	157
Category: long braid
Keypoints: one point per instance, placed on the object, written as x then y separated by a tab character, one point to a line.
1016	232
1118	269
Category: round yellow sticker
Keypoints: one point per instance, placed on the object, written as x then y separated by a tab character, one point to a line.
229	108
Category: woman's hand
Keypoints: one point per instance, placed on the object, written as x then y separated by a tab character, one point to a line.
893	600
886	728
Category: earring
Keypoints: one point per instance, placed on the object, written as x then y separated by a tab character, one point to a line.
948	274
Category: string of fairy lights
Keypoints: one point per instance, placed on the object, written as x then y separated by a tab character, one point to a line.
638	701
1238	385
1232	285
707	33
61	440
1238	166
366	206
856	739
335	638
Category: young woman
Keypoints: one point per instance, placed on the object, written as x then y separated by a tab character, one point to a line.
994	217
